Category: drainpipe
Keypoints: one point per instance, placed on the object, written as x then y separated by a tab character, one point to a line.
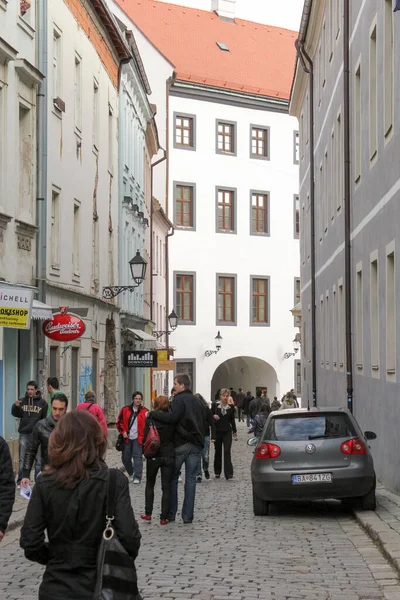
347	193
41	158
302	54
170	234
151	228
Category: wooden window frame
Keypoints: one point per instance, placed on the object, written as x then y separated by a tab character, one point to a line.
192	131
181	291
192	202
233	193
224	294
266	132
265	194
266	295
226	136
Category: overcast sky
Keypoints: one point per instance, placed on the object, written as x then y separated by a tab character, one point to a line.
283	13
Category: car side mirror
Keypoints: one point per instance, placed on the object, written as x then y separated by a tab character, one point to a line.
370	435
253	441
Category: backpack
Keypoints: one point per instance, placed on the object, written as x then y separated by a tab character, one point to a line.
152	442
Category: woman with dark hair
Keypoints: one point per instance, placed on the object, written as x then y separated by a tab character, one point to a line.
68	502
163	460
205	453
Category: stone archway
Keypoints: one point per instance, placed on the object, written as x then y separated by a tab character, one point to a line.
246	372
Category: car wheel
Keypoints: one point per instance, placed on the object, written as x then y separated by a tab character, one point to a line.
368	502
260	507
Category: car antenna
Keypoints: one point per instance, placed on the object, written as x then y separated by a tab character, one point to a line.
308	402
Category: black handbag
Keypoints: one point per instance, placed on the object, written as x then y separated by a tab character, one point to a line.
116	572
119	444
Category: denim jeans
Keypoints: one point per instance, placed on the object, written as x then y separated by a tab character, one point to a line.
204	456
190	454
132	451
24	439
248	420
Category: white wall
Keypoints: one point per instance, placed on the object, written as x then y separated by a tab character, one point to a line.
207	253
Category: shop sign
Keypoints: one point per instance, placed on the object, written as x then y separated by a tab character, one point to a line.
140	358
15	307
63	327
166	365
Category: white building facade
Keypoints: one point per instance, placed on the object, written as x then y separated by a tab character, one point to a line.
19	81
82	196
234	256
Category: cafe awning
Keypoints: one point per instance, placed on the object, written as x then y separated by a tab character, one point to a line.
41	311
140	335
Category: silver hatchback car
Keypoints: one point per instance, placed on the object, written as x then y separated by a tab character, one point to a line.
312	454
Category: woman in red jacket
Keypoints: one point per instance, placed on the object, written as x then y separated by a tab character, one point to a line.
94	409
131	421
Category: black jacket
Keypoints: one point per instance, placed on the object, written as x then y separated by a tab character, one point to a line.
209	423
74	521
246	403
188	411
30	412
255	405
166	432
7	485
240	397
39	438
225	422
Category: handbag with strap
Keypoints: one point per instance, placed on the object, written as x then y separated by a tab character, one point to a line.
119	444
116	572
152	442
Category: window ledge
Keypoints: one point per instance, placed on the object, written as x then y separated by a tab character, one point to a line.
391	371
25	26
375	367
360	367
3	4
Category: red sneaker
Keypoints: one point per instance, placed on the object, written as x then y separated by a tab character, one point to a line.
145	517
164	521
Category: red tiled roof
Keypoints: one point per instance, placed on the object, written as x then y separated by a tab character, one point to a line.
260	60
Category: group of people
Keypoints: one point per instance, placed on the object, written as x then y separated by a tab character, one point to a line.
186	426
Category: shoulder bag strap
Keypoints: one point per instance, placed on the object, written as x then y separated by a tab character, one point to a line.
111	493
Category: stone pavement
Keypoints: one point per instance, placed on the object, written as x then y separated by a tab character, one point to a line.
299	552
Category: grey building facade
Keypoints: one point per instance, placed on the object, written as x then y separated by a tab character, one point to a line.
366	122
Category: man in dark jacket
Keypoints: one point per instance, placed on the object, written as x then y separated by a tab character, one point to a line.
30	409
248	398
7	486
187	411
239	403
41	434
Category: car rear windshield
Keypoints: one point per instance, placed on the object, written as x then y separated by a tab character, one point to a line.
307	427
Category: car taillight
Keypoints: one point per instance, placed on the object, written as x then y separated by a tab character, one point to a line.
267	451
353	446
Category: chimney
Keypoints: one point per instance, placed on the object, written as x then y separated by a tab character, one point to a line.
224	8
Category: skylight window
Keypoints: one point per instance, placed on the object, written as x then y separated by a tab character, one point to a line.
222	46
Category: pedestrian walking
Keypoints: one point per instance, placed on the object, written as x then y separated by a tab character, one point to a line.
68	503
40	436
225	425
264	397
208	431
53	388
239	403
187	411
294	398
248	398
254	406
30	409
275	404
94	409
162	461
260	420
288	402
7	486
130	422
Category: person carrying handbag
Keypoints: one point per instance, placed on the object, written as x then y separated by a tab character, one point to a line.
130	424
162	460
70	503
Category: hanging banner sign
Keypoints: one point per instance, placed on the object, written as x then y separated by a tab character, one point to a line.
140	358
63	327
15	307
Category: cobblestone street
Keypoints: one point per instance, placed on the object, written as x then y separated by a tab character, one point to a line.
310	551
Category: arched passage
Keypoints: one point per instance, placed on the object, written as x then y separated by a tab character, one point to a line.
246	372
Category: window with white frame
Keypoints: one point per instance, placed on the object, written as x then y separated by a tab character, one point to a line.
373	95
374	317
55	230
357	123
95	114
341	325
390	314
78	91
57	63
388	66
77	238
359	317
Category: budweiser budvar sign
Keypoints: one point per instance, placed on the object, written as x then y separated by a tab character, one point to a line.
63	327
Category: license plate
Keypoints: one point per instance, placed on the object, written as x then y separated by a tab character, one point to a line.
312	478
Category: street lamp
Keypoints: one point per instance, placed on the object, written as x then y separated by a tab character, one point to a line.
218	344
296	346
138	267
173	323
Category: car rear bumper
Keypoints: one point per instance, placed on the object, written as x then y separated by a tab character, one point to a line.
270	490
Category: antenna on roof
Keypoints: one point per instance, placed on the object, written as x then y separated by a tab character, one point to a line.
308	401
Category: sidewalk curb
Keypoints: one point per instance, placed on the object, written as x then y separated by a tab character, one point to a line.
382	534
